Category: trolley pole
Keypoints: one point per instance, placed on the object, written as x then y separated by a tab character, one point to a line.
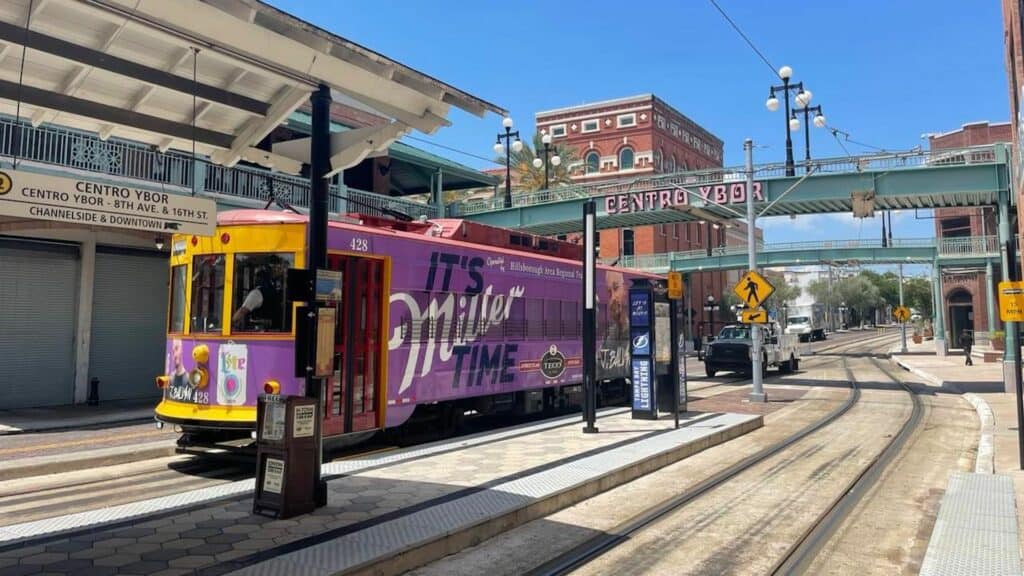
589	318
757	394
903	325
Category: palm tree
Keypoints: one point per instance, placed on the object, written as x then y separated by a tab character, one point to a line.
530	177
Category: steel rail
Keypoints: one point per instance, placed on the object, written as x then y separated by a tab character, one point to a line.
599	545
799	557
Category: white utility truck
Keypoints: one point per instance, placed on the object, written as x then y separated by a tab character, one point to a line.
806	321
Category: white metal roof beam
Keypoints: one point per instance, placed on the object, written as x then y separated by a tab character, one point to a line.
208	24
428	123
129	69
348	148
142	95
109	114
284	104
76	78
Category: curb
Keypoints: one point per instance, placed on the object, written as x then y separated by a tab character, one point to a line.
75	423
985	461
472	533
986	449
41	465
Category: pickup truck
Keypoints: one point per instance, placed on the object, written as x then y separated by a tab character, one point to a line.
730	351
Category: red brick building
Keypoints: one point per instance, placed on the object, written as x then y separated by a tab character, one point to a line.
964	292
1013	42
638	136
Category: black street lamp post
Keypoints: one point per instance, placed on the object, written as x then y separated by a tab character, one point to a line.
773	104
517	145
819	122
555	160
710	307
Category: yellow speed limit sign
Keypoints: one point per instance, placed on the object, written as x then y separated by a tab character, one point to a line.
901	313
1011	301
675	285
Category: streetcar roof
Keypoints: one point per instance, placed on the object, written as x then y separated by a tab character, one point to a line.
418	230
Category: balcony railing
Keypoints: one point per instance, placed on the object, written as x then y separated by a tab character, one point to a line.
68	148
969	246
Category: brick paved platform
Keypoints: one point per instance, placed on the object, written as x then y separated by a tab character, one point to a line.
387	512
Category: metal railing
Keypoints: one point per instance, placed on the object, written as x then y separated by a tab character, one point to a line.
968	246
946	247
69	148
883	161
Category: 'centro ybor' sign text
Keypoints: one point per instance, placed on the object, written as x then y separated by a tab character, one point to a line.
91	203
661	199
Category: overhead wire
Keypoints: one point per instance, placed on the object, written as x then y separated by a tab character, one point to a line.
835	131
744	36
21	83
456	150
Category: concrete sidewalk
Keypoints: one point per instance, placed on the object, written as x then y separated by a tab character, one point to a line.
982	386
19	421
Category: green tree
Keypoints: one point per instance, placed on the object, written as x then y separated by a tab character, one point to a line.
888	285
917	294
818	289
785	293
530	177
860	294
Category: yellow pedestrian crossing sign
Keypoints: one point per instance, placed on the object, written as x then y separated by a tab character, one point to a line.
753	289
901	313
759	316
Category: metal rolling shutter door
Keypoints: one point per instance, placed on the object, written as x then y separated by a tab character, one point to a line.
38	312
128	324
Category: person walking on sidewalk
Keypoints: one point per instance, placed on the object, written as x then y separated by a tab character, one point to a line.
965	343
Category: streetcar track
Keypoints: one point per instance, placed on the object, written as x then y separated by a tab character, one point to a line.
802	553
184	474
601	544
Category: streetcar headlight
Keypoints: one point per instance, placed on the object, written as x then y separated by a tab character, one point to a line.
272	387
201	354
199	377
162	382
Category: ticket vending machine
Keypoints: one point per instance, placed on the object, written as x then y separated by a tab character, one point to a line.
286	457
659	383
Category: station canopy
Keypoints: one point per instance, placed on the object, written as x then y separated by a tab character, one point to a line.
219	74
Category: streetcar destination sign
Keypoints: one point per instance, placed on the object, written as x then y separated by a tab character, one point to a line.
95	203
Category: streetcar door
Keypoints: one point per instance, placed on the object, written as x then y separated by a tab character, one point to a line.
356	386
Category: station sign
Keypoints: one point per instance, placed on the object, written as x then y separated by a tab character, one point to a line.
1011	301
97	203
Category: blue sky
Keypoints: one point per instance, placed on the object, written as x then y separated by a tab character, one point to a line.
885	72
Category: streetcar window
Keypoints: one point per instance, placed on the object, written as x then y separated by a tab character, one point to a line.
178	276
258	303
207	292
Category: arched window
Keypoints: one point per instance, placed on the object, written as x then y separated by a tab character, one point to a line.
670	163
960	296
626	158
657	160
593	163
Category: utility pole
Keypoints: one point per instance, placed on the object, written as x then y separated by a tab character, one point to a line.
757	393
903	325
